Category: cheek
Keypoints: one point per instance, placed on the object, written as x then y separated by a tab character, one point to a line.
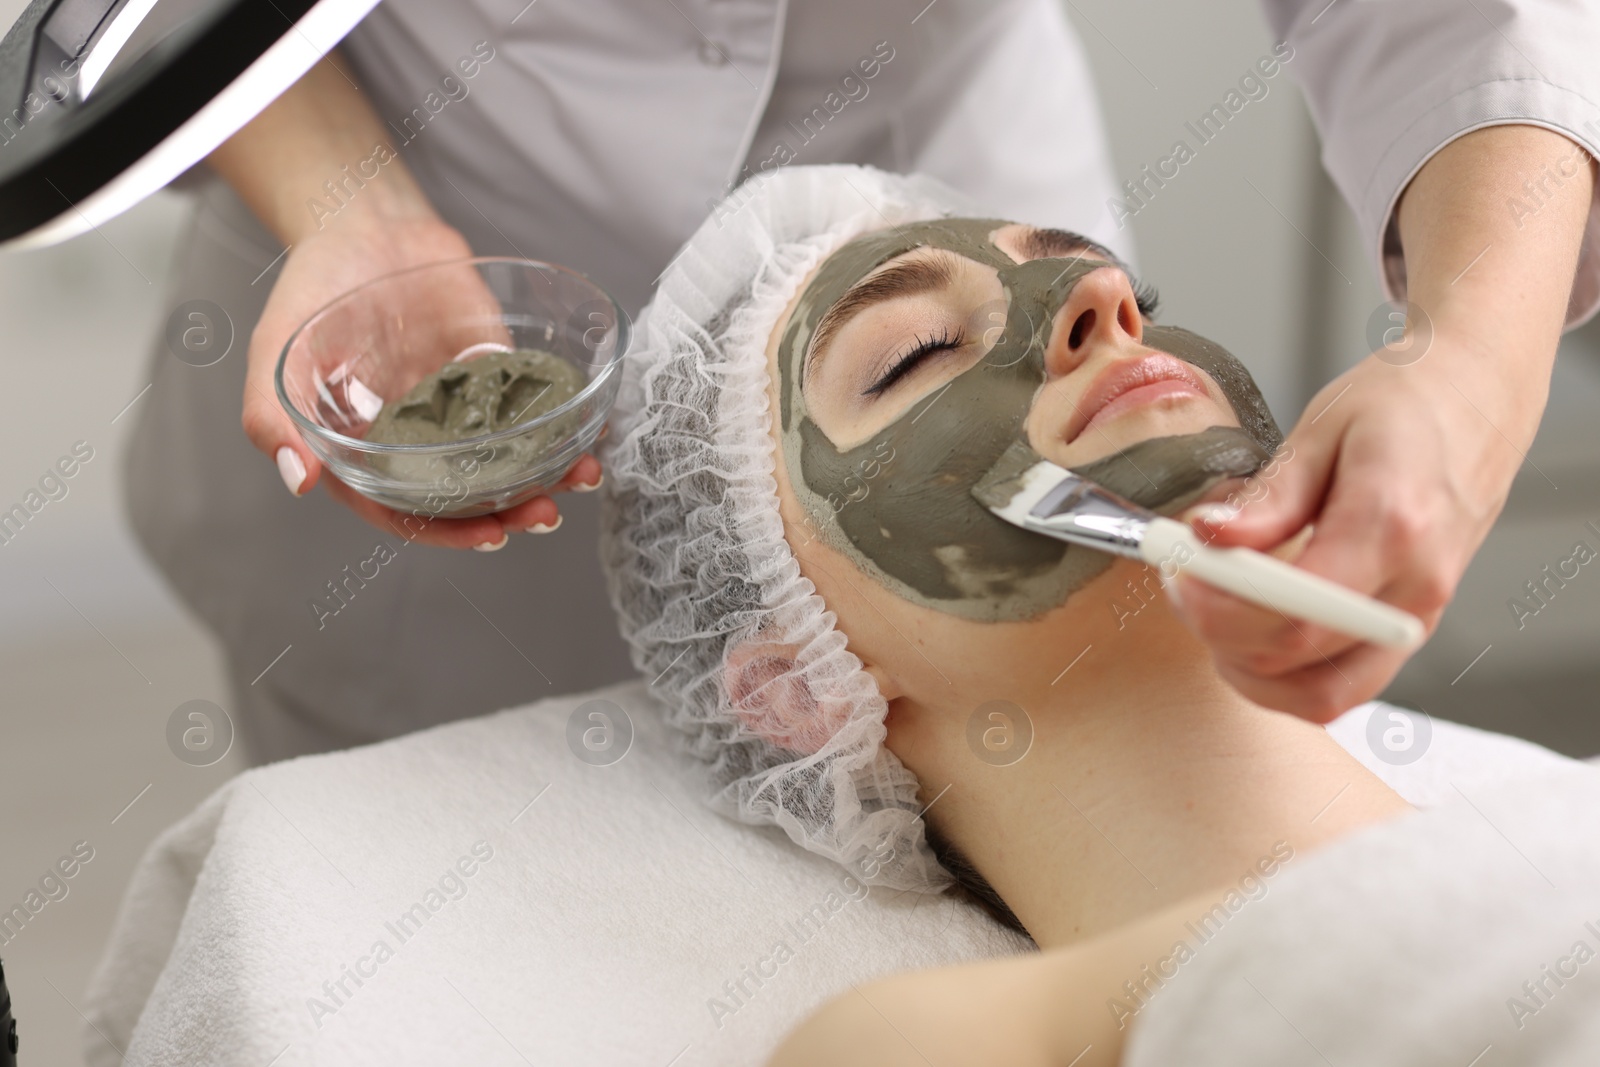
801	529
839	581
1221	406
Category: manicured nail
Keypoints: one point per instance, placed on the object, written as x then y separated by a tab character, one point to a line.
493	546
544	527
1216	514
590	487
290	468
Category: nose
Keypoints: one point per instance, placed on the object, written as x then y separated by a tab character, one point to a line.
1100	310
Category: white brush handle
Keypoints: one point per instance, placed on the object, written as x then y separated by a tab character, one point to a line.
1261	579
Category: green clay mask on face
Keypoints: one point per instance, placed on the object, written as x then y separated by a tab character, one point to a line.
900	503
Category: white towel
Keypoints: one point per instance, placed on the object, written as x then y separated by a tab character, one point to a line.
615	920
1464	935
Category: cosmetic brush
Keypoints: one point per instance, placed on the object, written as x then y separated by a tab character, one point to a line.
1045	499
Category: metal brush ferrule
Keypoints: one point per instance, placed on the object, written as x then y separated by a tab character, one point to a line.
1082	513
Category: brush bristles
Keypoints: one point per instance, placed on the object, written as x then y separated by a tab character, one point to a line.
997	488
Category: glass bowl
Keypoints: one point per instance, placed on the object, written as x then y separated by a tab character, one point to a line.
374	344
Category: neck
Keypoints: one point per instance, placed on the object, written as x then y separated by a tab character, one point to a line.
1147	783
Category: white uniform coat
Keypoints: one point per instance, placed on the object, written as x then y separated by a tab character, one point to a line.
598	135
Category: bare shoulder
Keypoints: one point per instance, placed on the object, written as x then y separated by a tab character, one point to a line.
977	1013
1044	1009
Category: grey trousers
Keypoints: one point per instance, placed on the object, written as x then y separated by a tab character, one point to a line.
435	635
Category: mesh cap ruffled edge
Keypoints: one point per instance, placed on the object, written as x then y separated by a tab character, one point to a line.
693	544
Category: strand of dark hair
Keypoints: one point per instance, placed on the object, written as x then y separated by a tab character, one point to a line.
970	884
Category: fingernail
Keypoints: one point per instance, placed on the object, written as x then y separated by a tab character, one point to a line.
290	468
1216	514
544	527
591	487
493	546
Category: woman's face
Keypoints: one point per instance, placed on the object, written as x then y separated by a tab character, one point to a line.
914	357
911	326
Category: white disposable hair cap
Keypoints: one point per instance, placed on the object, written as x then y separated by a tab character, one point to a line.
694	547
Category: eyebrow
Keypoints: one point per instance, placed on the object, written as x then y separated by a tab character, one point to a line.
1047	244
1058	244
933	272
911	277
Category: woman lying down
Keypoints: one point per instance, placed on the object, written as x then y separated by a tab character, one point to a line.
910	689
869	659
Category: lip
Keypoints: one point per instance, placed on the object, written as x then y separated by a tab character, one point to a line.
1132	383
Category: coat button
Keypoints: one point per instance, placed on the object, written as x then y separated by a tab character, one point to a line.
713	53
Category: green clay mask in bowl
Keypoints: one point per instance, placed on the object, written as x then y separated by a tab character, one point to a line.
456	388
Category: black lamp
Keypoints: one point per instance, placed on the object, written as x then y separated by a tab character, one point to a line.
103	102
8	1025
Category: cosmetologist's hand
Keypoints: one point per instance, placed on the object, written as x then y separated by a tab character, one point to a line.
281	164
330	262
1402	464
1400	478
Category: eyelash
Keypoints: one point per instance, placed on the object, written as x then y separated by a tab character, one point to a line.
1147	298
903	365
1144	295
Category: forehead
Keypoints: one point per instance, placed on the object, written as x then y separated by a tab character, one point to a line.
997	242
973	238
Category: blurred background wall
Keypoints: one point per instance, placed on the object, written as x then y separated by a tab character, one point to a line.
1249	245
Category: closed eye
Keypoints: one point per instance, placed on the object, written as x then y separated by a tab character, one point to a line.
1146	297
903	365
